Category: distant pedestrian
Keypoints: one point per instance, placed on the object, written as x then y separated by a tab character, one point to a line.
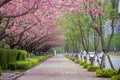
76	57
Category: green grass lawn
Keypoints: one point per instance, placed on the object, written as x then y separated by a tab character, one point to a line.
114	54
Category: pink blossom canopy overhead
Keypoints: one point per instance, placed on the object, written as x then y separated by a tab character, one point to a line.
41	17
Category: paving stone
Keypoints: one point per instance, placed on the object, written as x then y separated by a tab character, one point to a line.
59	68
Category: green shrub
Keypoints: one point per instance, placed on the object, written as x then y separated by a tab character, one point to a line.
85	65
0	71
32	61
22	55
35	57
42	58
17	55
10	55
26	64
67	56
72	58
117	77
99	73
106	73
81	62
49	55
3	58
93	68
77	61
23	65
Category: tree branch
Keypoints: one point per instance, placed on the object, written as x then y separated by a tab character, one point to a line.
4	2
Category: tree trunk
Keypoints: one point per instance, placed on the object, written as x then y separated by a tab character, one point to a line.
110	61
86	57
12	46
98	59
81	54
92	61
119	71
96	43
102	61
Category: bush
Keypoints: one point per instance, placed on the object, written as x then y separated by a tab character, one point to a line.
99	73
22	55
72	58
0	71
40	58
33	62
115	77
81	62
17	55
23	65
3	58
49	55
93	68
11	55
77	61
85	65
28	63
106	73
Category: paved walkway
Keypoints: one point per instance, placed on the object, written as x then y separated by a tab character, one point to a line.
59	68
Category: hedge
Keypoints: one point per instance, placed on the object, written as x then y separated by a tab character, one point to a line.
28	63
49	55
22	55
108	73
20	65
11	55
3	58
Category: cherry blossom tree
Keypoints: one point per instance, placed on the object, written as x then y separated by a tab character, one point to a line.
33	18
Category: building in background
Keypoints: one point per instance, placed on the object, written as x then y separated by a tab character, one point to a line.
117	28
107	28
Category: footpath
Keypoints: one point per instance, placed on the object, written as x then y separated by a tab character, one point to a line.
59	68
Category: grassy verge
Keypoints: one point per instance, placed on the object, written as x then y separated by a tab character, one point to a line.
114	54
